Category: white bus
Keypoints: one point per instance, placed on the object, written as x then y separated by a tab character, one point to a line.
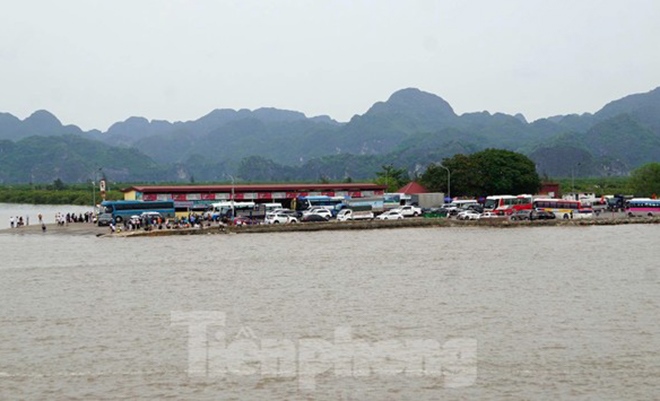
222	209
562	208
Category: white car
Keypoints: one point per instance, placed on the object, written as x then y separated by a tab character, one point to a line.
321	211
468	215
490	215
409	211
150	217
583	214
279	218
390	215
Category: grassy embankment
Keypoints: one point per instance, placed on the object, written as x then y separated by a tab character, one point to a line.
46	194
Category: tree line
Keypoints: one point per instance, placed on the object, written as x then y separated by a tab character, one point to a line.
500	172
489	172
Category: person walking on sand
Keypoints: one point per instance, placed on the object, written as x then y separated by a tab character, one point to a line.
11	222
41	218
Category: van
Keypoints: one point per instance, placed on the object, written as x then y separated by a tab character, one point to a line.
269	207
355	214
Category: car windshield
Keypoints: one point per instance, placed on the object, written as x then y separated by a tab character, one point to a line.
490	204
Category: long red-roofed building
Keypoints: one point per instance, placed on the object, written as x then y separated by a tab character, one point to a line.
188	195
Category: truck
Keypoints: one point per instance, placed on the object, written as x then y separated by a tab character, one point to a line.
409	210
375	203
616	203
355	213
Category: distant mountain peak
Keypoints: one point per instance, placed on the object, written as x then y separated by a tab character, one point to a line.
415	102
271	114
43	117
265	114
521	117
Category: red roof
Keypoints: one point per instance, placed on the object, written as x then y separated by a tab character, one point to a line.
255	188
412	188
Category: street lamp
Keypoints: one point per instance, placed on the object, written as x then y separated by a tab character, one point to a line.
448	180
94	178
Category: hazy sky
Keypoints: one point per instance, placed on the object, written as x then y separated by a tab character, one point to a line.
93	63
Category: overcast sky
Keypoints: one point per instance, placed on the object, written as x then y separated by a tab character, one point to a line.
93	63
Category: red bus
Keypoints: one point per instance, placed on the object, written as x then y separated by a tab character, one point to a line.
508	204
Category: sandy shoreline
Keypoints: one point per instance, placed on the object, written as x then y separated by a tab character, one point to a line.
69	229
88	229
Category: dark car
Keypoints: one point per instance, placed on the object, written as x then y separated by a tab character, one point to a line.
310	218
520	215
542	215
435	212
476	208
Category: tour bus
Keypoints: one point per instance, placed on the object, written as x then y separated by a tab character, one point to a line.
332	203
375	204
123	210
184	209
643	207
562	208
507	204
224	209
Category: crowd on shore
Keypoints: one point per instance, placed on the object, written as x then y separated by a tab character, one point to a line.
157	222
61	219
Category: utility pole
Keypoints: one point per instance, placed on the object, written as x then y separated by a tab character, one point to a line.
448	180
573	179
233	211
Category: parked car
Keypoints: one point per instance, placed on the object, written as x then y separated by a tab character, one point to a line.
392	214
468	215
409	211
490	215
289	212
351	214
476	208
520	215
320	211
435	212
583	214
279	218
313	218
542	215
151	217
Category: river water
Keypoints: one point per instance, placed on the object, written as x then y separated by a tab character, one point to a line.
518	313
30	213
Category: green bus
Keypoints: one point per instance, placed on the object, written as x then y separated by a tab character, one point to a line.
119	211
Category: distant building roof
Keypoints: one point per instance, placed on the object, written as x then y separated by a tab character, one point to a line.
412	188
253	188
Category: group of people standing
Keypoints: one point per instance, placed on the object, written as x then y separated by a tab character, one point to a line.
62	219
18	221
